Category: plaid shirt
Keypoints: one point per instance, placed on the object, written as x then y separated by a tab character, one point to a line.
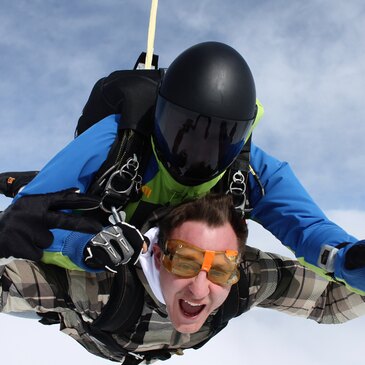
78	298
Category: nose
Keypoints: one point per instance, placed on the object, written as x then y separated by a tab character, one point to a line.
200	285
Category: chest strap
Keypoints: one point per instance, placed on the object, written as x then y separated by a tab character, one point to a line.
125	303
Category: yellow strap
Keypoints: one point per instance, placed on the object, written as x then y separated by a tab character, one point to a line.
151	34
260	113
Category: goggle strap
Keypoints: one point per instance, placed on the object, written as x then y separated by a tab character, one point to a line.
231	254
208	260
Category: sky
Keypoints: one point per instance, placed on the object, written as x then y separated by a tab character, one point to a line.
308	61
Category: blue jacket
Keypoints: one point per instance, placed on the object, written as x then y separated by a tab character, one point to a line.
286	210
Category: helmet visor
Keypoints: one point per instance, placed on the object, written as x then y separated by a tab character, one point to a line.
193	147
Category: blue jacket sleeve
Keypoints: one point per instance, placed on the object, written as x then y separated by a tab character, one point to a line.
77	163
288	212
74	166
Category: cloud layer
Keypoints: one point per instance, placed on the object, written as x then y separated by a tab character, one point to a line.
308	62
307	59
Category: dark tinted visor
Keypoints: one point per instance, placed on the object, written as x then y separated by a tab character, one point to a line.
193	147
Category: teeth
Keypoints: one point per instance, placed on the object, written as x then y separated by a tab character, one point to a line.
192	304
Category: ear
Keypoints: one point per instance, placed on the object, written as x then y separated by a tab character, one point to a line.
157	256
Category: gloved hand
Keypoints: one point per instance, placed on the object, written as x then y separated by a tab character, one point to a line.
350	265
114	246
11	182
25	225
355	256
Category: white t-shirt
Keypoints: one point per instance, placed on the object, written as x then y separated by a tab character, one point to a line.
149	267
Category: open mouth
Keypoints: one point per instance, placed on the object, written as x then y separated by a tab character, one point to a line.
190	309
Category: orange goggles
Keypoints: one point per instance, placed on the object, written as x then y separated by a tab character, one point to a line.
186	260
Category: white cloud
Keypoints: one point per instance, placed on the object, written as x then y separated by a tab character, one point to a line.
307	59
308	62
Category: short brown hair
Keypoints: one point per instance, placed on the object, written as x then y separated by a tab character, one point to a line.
213	209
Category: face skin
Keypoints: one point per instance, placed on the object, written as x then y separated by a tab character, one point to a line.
198	291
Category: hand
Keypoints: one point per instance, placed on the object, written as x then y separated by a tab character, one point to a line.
350	265
115	246
12	182
25	225
355	256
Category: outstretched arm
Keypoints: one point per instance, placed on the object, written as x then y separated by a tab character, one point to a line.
24	289
73	167
35	290
77	163
289	287
291	215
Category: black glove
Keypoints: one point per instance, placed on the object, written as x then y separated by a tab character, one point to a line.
355	256
115	246
11	182
25	225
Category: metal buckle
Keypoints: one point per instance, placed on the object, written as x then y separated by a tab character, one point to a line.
129	173
237	188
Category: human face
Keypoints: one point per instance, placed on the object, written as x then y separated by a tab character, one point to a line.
189	301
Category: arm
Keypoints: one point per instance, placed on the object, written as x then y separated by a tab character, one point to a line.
24	289
130	93
33	290
290	214
77	163
74	166
35	203
289	287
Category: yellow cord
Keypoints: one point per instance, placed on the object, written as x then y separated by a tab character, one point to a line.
151	34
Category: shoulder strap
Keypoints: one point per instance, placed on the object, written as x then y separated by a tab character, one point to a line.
109	96
237	301
132	94
235	304
125	303
238	185
122	311
118	179
235	181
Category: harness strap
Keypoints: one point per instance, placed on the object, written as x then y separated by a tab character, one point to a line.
235	304
239	180
125	303
131	94
236	183
235	180
122	311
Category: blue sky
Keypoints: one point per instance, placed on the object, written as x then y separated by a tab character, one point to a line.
308	61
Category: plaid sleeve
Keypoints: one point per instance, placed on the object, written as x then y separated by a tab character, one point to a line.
26	287
76	297
283	284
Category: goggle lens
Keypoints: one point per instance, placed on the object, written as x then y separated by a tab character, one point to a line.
186	260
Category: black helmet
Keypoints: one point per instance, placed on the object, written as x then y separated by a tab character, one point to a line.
205	109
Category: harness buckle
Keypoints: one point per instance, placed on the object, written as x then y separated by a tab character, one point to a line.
237	188
121	184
